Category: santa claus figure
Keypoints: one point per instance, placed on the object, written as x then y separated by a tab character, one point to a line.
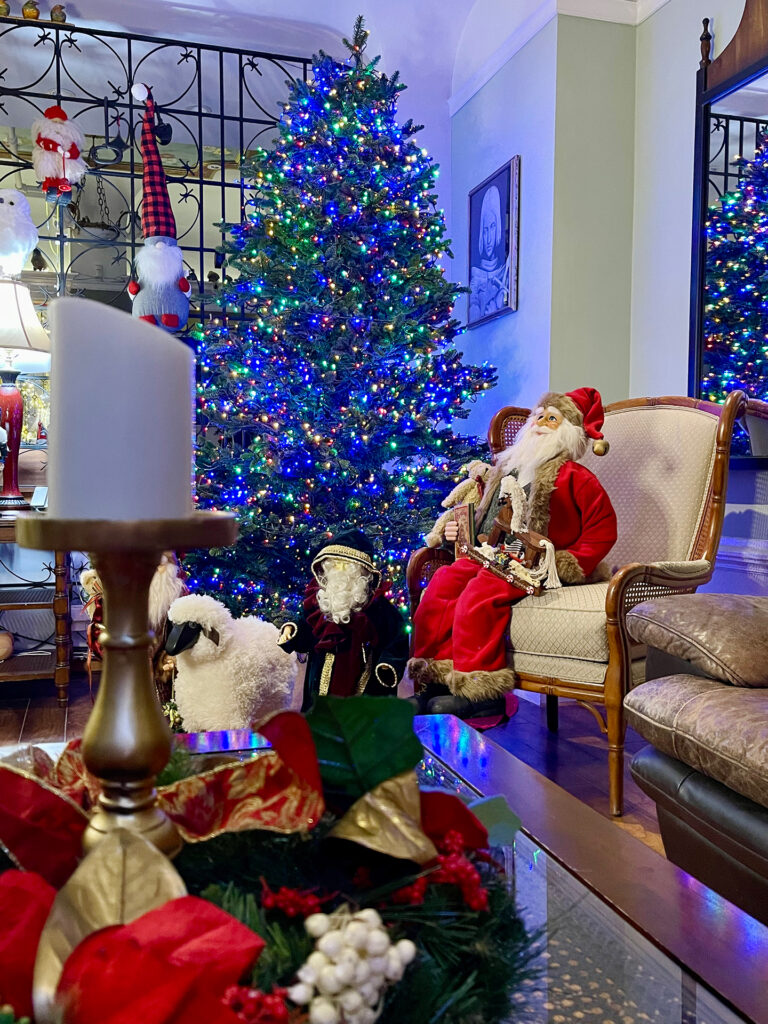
160	293
354	636
56	150
460	627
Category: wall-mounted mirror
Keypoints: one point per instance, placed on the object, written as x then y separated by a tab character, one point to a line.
729	294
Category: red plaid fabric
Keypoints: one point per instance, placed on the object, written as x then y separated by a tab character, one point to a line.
156	213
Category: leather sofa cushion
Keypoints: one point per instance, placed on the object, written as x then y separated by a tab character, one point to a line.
715	728
723	635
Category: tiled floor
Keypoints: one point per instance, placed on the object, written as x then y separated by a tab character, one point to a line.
576	758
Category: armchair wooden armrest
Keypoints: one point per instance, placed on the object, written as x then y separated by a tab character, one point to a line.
422	565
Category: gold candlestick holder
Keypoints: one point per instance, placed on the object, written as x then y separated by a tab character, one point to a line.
127	741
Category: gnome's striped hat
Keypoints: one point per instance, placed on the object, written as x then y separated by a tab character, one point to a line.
156	214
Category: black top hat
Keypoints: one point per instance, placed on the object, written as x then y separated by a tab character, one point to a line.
350	544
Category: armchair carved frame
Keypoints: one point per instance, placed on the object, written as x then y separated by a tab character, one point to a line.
630	584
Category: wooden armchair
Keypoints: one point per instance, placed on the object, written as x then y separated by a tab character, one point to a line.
666	473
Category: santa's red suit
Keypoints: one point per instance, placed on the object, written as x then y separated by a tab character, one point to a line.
56	152
461	624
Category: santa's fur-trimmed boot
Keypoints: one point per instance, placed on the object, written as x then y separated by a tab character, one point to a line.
481	685
423	671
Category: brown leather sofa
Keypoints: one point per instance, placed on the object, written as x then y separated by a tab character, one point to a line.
704	711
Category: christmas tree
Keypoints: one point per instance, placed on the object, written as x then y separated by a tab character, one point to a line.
736	287
327	403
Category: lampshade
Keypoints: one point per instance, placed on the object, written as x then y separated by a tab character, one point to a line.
20	328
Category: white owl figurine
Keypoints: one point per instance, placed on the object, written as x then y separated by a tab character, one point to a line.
18	234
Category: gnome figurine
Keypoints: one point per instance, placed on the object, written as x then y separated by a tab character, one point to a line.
161	290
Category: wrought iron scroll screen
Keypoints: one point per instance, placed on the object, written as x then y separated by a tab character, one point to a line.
732	138
219	103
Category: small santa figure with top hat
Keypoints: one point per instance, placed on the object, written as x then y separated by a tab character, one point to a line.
56	150
461	625
354	636
161	290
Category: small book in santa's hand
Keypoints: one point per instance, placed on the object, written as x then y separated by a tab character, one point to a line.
499	560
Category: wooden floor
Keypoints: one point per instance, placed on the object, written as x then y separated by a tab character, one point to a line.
575	758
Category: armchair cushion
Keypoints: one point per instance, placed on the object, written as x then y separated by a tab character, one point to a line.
564	623
714	728
723	635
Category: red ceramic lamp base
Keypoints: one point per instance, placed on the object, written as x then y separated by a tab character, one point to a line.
11	418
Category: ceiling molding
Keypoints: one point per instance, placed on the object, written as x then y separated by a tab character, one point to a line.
525	31
645	8
621	12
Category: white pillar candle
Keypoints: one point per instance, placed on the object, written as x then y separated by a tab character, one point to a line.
120	437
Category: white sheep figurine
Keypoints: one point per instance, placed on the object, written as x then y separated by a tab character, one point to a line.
231	673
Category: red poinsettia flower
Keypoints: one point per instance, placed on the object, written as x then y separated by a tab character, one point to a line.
442	813
172	965
25	902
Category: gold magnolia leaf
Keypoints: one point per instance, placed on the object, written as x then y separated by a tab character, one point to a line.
123	878
388	820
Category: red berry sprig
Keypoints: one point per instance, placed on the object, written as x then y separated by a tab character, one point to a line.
253	1006
292	902
454	868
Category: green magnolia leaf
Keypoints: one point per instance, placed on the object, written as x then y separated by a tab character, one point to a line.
499	819
363	741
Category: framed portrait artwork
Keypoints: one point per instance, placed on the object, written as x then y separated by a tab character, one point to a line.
493	244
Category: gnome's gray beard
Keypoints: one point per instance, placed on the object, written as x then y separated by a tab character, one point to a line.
343	591
537	445
159	265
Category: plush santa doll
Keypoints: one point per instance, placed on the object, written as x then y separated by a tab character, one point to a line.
56	150
354	636
461	624
160	293
168	584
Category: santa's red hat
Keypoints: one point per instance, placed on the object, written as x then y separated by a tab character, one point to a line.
157	220
584	408
55	113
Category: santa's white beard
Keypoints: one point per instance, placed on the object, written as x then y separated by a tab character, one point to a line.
159	265
163	591
63	132
537	445
344	590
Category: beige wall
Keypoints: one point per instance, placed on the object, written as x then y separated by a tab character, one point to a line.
514	113
594	171
667	60
565	103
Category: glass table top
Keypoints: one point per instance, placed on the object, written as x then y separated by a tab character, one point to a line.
595	968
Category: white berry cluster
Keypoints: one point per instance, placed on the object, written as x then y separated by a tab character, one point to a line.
344	979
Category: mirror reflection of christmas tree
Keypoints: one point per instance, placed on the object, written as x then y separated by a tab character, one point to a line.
329	406
736	288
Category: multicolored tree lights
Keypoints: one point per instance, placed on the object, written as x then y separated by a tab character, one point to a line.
328	403
736	288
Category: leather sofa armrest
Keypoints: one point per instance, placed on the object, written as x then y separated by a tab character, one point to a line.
724	636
